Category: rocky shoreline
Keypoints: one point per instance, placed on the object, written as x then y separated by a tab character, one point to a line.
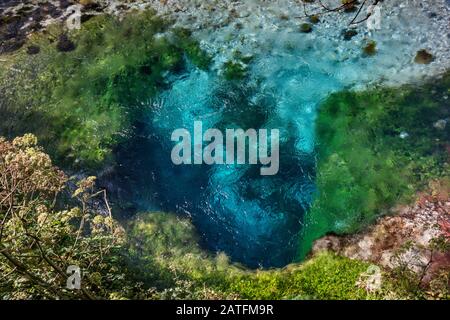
251	27
407	237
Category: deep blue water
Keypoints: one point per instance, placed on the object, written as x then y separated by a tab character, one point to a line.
254	219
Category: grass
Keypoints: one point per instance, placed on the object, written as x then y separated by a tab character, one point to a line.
164	252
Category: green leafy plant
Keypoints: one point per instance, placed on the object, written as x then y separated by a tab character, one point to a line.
39	241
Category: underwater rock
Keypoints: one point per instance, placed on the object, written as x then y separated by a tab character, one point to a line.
423	57
238	26
349	34
314	19
305	28
65	44
370	49
284	16
31	50
440	124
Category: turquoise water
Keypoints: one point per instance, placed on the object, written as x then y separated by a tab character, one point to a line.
254	219
257	220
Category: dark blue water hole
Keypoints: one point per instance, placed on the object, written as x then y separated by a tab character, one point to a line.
254	219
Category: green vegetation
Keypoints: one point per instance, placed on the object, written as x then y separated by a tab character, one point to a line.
157	257
326	276
370	48
192	48
163	253
39	240
164	250
314	19
234	70
83	102
375	149
237	67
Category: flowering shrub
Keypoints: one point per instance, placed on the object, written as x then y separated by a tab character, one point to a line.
39	241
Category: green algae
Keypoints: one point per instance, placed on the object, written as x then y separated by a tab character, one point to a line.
237	67
83	102
163	251
305	28
370	48
234	70
192	48
376	149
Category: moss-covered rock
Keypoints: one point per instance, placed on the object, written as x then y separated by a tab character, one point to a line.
305	28
423	57
348	34
314	19
234	70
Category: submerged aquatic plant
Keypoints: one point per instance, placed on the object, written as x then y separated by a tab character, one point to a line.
84	93
366	161
370	48
163	250
305	28
234	70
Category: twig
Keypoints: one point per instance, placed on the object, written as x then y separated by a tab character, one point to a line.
359	11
